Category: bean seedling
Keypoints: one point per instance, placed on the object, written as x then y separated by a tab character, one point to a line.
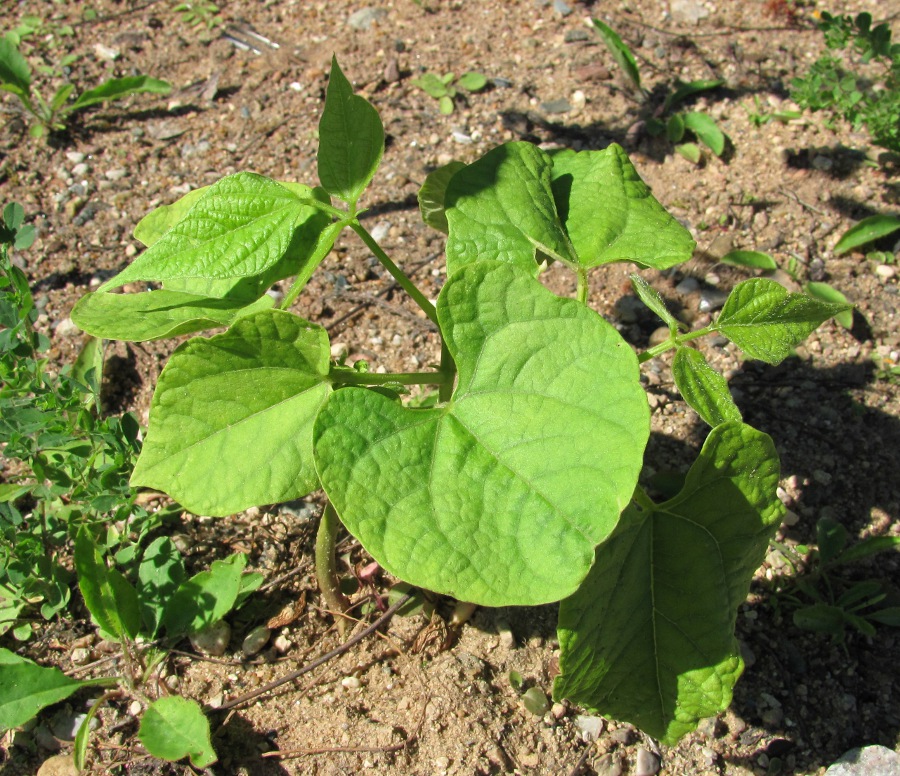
520	484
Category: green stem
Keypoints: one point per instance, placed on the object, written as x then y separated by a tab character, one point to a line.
345	376
673	342
405	283
448	369
323	247
582	292
326	567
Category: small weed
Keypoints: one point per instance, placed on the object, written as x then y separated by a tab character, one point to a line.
443	88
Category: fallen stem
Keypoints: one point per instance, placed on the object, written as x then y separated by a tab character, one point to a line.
326	567
337	652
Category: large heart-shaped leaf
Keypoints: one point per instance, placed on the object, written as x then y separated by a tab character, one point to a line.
500	496
231	419
611	214
501	208
649	636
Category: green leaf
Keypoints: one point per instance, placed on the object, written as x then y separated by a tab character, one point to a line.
866	231
501	208
675	128
205	598
173	728
159	220
649	637
820	618
351	140
621	53
446	105
26	688
433	193
890	615
62	94
703	388
499	496
79	752
13	215
870	546
111	600
116	88
688	90
159	314
754	259
231	418
690	151
707	130
831	537
831	295
611	214
14	70
472	81
431	84
160	574
88	369
241	226
652	298
767	322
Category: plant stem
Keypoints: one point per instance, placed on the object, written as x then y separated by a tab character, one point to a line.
398	274
673	342
448	369
326	567
345	376
582	292
323	247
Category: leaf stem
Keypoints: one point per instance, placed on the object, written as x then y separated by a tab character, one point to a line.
326	567
323	247
673	342
397	273
582	291
448	370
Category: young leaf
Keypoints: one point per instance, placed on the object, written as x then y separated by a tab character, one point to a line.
241	226
116	88
649	637
675	128
866	231
62	94
651	297
160	574
867	547
237	410
767	322
26	688
159	314
754	259
621	53
687	90
351	140
206	597
173	728
15	75
111	600
501	208
432	195
690	151
475	499
610	213
431	84
830	294
831	537
79	753
705	128
703	388
820	618
446	105
472	82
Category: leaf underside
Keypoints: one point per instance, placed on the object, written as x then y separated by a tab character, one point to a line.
649	637
500	496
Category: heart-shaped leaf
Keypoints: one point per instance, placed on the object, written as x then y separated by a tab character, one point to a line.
231	419
501	208
500	496
610	213
649	636
173	728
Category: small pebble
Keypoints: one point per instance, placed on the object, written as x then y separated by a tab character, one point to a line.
282	644
886	271
688	286
255	640
589	726
213	639
80	656
81	169
76	157
647	763
351	683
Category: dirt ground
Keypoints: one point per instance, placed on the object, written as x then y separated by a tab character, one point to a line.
417	699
